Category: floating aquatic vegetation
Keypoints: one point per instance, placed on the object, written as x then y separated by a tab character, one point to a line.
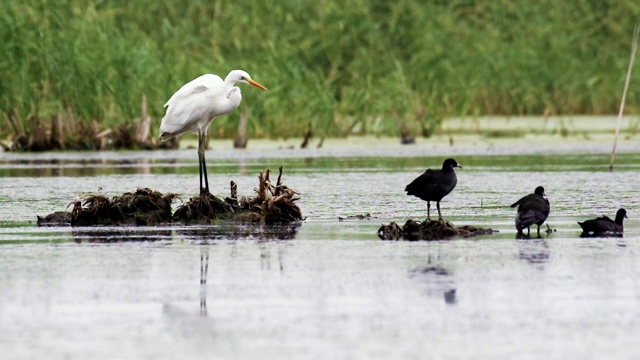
58	218
429	230
273	204
143	207
366	216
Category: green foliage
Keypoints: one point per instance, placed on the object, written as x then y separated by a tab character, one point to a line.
342	66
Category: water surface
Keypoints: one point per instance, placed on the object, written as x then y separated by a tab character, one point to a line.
325	288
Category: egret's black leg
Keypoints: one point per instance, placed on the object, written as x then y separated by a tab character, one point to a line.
428	210
203	164
200	158
439	213
206	179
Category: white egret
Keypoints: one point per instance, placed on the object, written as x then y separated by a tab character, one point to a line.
197	103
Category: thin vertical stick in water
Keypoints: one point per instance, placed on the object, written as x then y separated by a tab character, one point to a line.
634	47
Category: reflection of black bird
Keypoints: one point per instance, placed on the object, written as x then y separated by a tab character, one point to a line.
450	296
604	225
532	209
433	185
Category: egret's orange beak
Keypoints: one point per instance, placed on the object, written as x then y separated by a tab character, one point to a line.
256	84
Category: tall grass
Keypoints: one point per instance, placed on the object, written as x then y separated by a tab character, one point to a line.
340	66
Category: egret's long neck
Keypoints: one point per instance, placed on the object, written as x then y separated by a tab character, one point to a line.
232	93
228	84
233	99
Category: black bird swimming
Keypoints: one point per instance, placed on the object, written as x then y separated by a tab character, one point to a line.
603	225
532	209
433	185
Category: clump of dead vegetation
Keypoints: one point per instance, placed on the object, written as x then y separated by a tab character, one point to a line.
273	204
429	230
143	207
67	132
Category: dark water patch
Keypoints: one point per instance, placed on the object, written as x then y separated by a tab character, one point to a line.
119	234
240	231
224	162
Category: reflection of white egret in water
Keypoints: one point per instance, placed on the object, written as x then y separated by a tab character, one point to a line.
197	103
204	269
265	256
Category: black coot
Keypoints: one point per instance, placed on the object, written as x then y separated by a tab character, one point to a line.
604	225
433	185
532	209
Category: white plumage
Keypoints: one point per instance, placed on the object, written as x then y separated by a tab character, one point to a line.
197	103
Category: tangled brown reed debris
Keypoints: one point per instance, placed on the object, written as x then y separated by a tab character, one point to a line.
274	204
430	230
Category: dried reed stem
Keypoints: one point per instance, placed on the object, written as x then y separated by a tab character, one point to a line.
634	47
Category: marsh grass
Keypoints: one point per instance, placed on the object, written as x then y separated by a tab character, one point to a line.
371	67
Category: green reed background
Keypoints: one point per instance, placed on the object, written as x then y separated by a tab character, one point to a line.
342	67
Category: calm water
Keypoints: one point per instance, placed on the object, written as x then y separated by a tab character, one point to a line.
324	289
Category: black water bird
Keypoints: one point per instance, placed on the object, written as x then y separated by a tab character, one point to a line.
532	209
433	185
604	225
